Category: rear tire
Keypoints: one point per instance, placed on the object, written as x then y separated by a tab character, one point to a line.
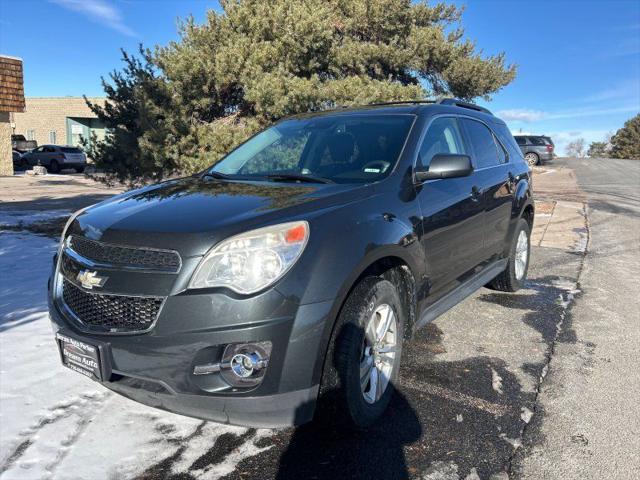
514	275
532	159
363	359
54	166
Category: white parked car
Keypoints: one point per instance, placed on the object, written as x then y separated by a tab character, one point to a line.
56	158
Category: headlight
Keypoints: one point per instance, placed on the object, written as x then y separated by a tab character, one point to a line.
251	261
67	225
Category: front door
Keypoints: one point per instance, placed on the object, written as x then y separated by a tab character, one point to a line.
452	213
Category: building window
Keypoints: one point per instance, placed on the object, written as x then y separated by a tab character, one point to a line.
31	134
52	137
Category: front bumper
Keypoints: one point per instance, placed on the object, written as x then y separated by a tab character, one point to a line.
156	368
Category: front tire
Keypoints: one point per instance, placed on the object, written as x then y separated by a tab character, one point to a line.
514	275
363	359
54	166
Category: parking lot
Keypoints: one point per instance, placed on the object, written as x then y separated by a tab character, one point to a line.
527	385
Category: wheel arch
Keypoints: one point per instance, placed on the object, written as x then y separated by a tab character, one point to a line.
393	267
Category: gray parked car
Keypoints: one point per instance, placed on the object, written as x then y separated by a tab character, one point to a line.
535	148
56	158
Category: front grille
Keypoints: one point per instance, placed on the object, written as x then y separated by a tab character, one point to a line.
112	313
133	257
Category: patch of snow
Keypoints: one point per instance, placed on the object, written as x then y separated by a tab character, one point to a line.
526	415
440	470
473	475
570	288
459	418
496	381
27	217
514	442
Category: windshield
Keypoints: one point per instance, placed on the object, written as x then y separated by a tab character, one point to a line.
339	148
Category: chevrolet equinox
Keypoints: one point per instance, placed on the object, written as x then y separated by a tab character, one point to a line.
294	270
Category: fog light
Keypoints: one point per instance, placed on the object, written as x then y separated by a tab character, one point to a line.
242	364
245	364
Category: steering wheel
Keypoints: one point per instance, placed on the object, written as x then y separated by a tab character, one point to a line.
377	166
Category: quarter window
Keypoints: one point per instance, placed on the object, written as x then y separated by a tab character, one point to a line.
502	154
483	143
443	136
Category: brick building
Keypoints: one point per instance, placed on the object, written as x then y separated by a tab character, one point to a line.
11	100
58	120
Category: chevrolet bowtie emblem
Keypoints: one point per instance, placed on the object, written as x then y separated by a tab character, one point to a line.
90	279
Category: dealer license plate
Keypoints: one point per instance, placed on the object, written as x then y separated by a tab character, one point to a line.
79	356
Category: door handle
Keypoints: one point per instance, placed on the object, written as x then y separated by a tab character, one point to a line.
476	193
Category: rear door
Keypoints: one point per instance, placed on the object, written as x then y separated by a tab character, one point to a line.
452	212
496	180
538	145
47	155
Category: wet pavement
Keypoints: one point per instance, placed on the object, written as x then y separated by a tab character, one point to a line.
468	389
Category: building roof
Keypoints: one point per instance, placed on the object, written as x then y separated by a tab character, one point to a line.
11	85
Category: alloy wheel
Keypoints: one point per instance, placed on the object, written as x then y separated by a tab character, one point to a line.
378	353
531	159
522	254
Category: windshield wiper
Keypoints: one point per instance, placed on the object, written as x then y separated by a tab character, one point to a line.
283	177
218	175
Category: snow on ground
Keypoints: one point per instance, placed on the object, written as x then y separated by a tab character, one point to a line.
27	217
55	423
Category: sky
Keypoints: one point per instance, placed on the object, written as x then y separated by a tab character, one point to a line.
578	61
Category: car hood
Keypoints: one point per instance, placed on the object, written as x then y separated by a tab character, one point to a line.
191	214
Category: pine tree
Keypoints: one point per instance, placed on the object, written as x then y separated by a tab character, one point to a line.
191	101
597	149
626	142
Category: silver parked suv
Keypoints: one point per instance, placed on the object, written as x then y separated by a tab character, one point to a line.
535	148
56	158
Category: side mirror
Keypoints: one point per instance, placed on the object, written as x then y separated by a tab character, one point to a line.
445	165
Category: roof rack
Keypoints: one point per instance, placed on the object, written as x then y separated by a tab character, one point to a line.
443	101
459	103
401	102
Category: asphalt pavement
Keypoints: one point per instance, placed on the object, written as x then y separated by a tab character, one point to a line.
589	404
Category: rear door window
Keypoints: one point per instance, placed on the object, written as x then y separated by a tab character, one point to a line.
537	141
484	145
443	136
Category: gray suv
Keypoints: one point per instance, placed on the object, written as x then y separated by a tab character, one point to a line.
56	158
535	148
285	279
